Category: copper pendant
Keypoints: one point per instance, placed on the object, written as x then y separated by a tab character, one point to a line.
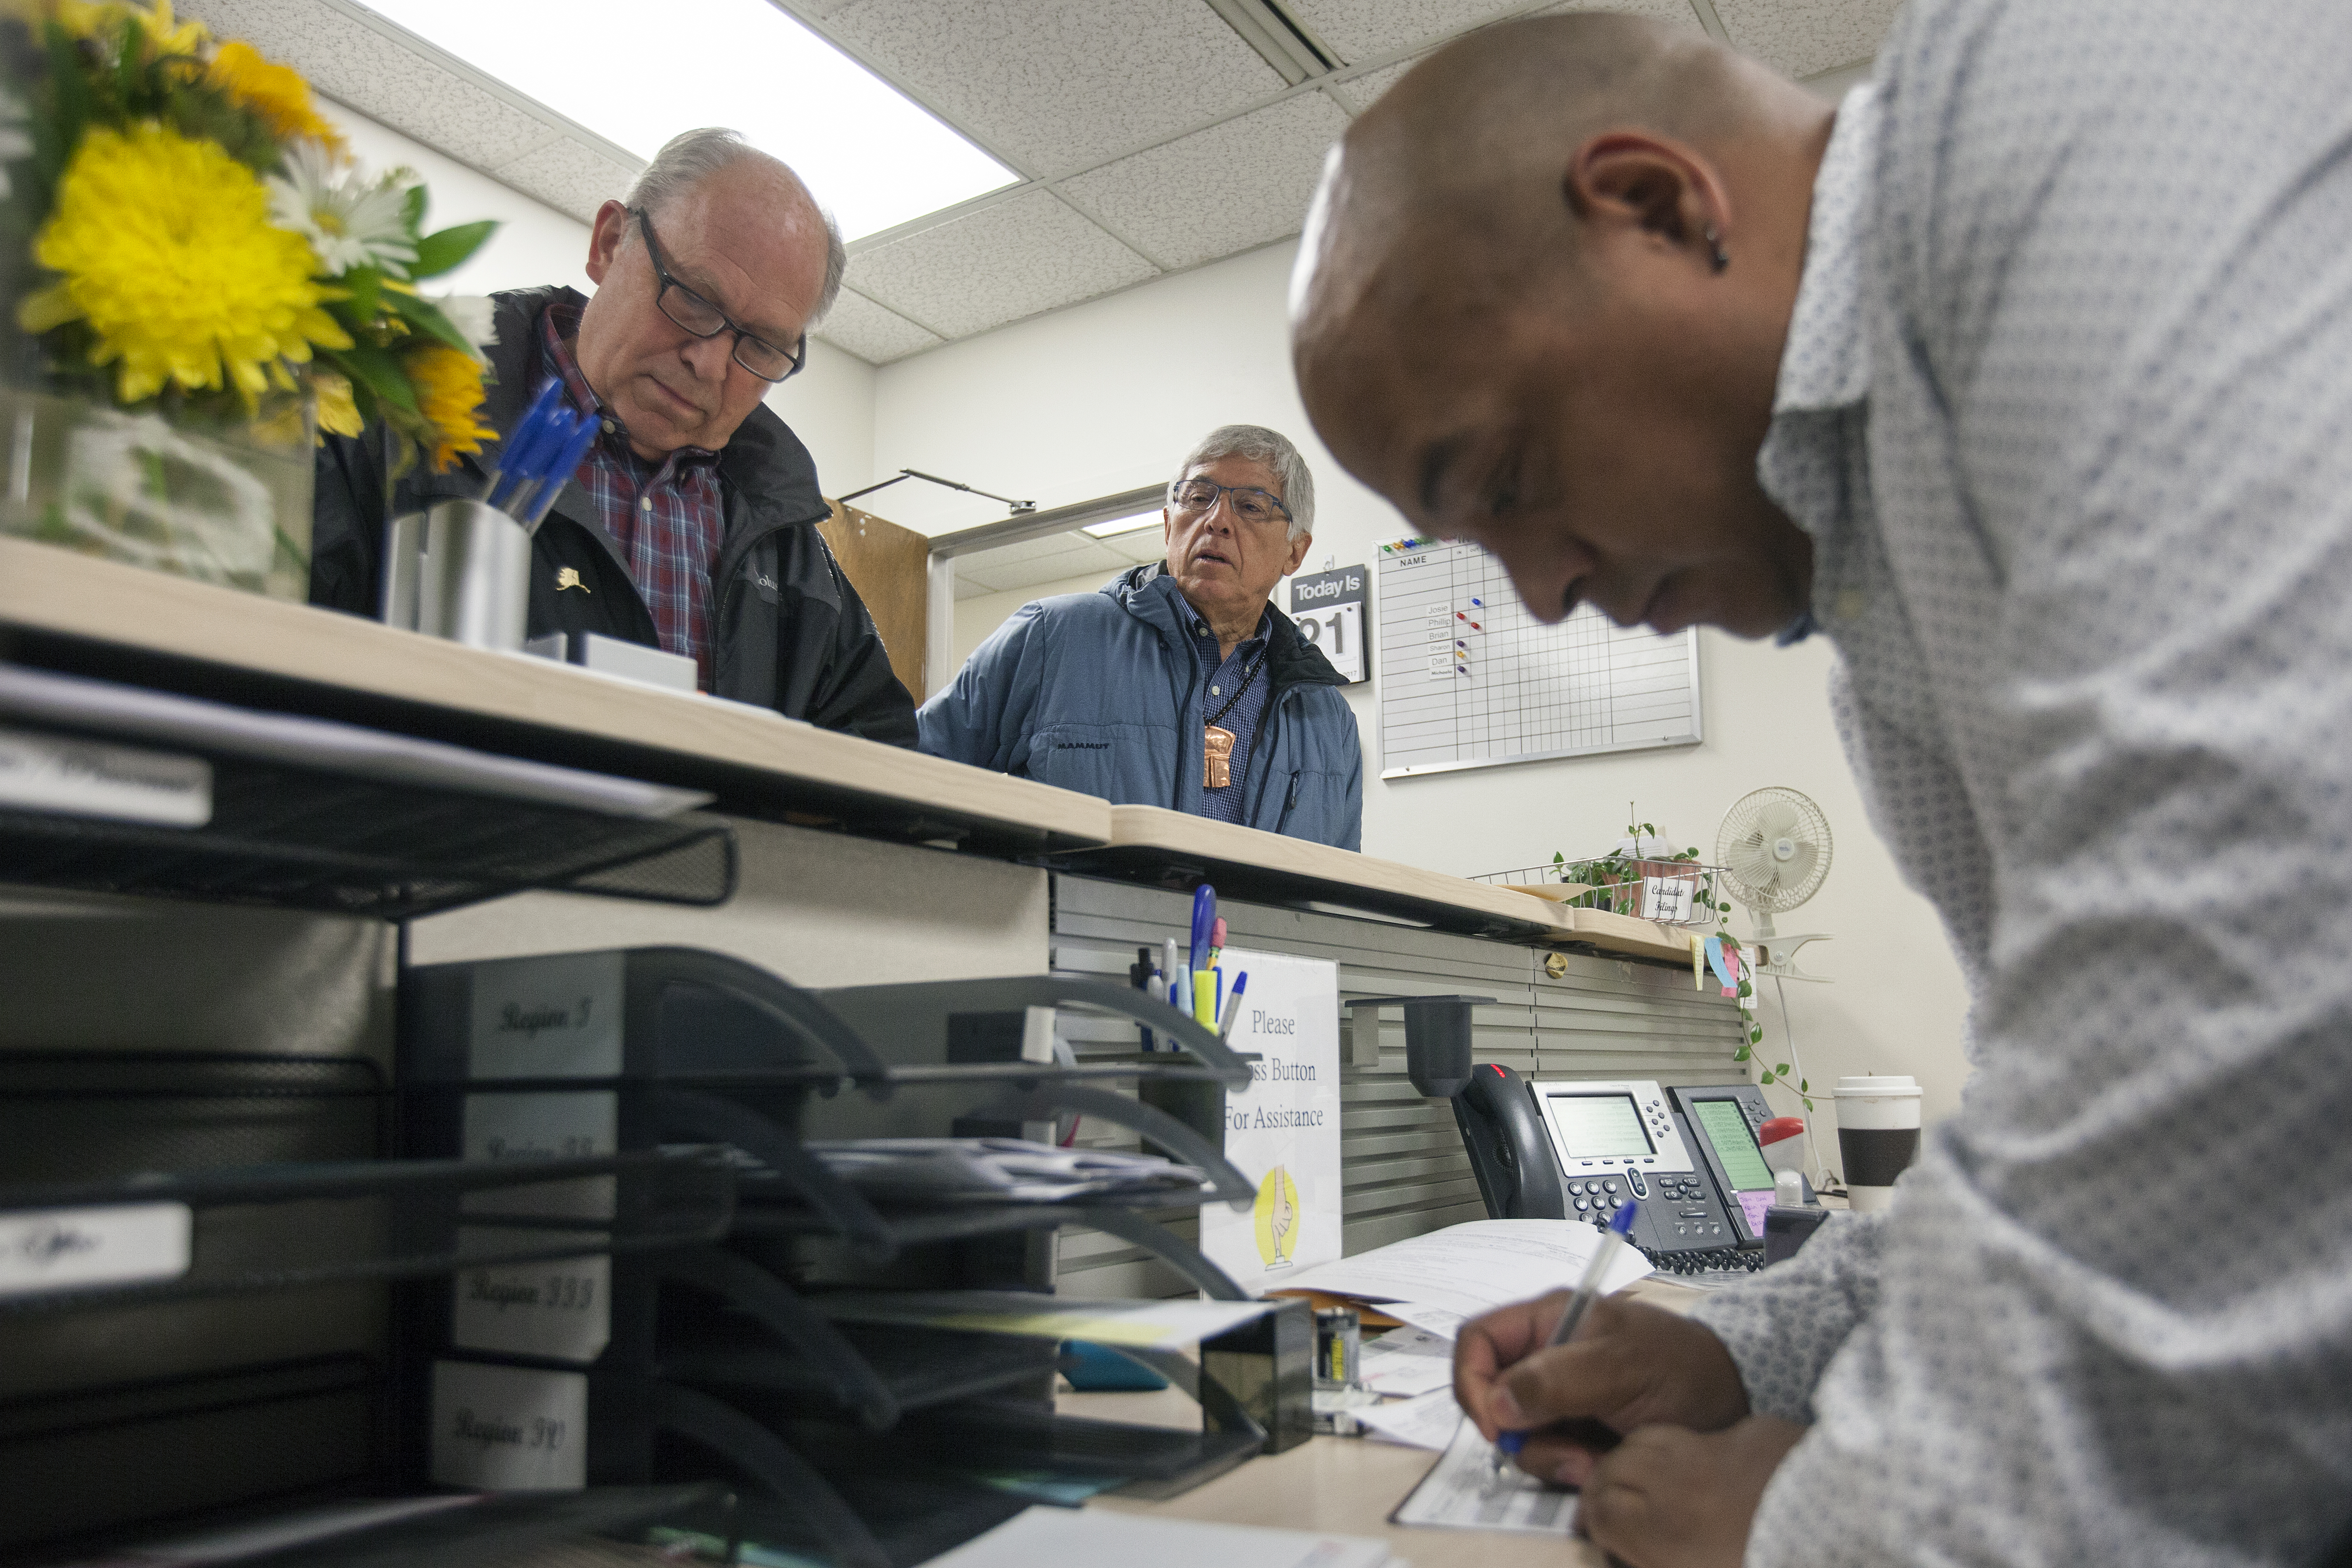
1216	757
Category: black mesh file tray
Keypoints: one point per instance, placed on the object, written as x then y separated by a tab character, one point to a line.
120	790
275	1227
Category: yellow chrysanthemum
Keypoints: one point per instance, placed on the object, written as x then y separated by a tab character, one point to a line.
167	251
275	92
338	413
449	395
166	34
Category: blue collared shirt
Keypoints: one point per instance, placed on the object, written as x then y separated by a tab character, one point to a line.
1223	680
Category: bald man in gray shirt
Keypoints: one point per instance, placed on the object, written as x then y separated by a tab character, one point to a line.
2026	378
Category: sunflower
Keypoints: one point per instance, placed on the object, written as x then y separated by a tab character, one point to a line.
277	93
166	250
449	395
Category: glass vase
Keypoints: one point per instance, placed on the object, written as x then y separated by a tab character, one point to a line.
224	503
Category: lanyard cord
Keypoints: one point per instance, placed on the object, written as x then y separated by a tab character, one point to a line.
1247	675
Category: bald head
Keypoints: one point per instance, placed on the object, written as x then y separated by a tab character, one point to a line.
1540	300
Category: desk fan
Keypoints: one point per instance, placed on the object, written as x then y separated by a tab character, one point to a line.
1774	848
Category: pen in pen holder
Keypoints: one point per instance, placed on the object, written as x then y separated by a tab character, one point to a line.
461	571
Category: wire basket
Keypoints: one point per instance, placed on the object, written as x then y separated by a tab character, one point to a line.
1671	892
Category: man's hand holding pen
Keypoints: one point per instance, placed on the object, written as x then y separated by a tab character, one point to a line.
1664	1385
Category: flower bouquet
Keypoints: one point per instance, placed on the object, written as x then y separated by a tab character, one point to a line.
205	282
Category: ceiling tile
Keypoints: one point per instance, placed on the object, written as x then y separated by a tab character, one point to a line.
1143	545
355	64
997	265
965	588
1360	92
874	334
1221	190
1051	547
1366	29
569	177
1055	86
1805	37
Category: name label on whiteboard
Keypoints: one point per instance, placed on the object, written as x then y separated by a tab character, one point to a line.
120	783
79	1248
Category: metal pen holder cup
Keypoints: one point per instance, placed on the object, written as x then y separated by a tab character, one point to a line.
460	571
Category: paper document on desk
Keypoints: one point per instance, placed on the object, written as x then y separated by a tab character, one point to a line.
1428	1422
1147	1325
998	1171
1453	1495
1433	1282
1089	1537
1404	1363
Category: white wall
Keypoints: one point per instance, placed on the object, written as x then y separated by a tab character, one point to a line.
1103	396
830	405
976	617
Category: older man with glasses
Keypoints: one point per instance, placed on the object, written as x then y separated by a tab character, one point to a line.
1178	684
691	524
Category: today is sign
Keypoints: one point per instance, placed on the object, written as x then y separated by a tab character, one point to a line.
1330	609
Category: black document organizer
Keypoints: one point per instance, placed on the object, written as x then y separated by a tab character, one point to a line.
253	1378
849	1441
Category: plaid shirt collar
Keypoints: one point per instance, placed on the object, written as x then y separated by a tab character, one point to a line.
559	324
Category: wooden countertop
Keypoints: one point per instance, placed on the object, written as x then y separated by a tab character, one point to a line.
62	611
66	612
1169	848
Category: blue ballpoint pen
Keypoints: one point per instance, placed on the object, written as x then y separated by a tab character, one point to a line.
1508	1444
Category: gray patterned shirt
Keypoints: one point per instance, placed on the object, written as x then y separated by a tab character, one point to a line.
2066	404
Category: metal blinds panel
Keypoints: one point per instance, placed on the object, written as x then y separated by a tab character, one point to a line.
1403	1167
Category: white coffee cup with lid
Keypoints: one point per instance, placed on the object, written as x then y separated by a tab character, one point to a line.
1878	1136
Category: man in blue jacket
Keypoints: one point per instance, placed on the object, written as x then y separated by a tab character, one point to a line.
1177	685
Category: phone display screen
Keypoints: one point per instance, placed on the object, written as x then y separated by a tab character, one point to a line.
1726	1133
1597	1126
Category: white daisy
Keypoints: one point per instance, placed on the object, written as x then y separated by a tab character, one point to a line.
350	220
473	315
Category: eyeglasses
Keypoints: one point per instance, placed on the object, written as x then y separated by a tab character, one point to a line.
1251	504
705	319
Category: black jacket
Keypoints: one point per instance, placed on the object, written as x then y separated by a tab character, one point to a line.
788	631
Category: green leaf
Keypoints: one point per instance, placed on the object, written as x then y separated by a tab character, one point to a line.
427	318
1740	1054
1802	1084
437	253
1809	1104
364	284
1782	1069
1746	989
413	211
1755	1037
378	371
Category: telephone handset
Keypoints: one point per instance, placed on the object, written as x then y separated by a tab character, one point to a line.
1569	1149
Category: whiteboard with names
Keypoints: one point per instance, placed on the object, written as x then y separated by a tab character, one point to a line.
1470	679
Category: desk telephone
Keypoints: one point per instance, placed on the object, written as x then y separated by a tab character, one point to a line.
1563	1149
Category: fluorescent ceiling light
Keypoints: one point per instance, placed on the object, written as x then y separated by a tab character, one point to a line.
1140	520
637	74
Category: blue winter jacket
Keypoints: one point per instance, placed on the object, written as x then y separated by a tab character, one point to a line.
1100	692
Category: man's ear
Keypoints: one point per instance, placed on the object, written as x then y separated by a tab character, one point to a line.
605	239
1298	553
1649	184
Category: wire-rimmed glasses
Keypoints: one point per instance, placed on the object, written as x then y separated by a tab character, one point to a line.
1252	505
